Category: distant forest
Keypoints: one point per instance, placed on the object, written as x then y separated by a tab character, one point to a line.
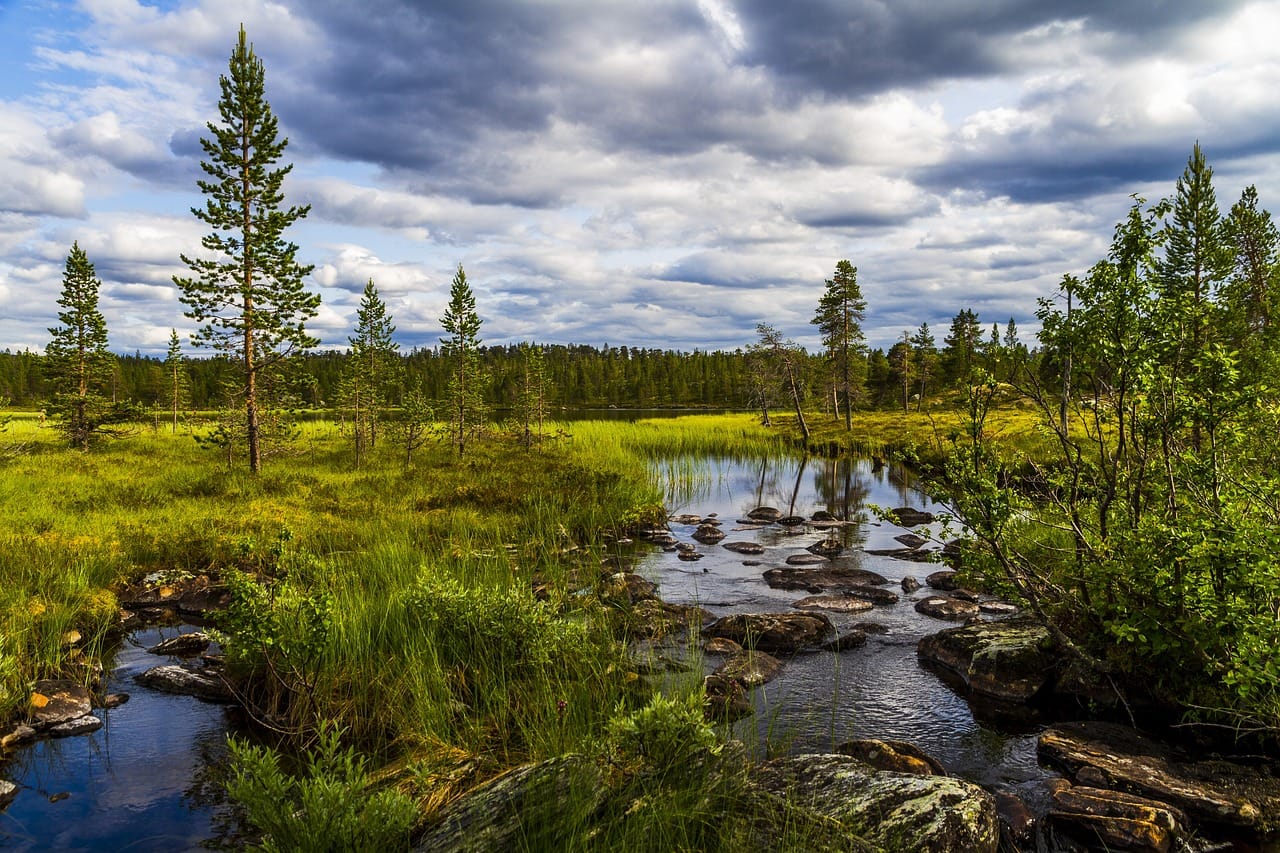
577	376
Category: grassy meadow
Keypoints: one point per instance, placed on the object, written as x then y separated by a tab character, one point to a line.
451	618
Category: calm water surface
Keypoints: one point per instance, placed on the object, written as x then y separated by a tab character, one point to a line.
821	699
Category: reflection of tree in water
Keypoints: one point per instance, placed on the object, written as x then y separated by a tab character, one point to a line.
207	792
842	489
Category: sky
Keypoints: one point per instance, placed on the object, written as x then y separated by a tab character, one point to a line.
666	173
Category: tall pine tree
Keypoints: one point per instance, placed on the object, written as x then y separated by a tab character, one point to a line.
175	368
79	367
248	289
840	313
371	369
462	349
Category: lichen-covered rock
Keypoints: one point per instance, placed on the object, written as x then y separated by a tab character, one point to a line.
533	807
893	755
750	669
58	700
896	811
654	619
1213	791
628	587
17	736
773	632
1011	660
201	682
946	607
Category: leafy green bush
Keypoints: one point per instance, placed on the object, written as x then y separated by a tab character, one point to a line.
330	807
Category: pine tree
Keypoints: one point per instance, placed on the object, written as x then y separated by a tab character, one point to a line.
79	367
925	354
175	368
531	402
249	293
902	360
786	360
840	313
461	348
372	367
962	346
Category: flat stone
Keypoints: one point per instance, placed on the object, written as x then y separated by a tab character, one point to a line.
854	637
183	645
200	682
915	555
997	608
1210	790
911	540
79	726
946	607
905	516
743	547
821	580
765	513
1115	820
792	520
874	594
58	700
837	603
894	811
807	560
8	793
773	632
114	700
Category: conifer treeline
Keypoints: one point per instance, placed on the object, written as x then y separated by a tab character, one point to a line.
578	375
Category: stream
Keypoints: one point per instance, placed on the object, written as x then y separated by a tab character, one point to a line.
141	782
822	699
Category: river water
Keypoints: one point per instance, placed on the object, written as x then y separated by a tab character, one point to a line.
140	783
878	690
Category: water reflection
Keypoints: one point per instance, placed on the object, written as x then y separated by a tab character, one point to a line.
876	691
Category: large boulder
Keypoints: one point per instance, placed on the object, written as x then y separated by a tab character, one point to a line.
55	701
1012	660
1208	790
773	632
533	807
894	811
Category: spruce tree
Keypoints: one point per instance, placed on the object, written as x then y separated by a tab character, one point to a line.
371	369
531	401
840	313
79	367
248	290
175	367
462	350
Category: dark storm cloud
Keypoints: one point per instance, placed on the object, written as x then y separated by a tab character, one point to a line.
858	47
